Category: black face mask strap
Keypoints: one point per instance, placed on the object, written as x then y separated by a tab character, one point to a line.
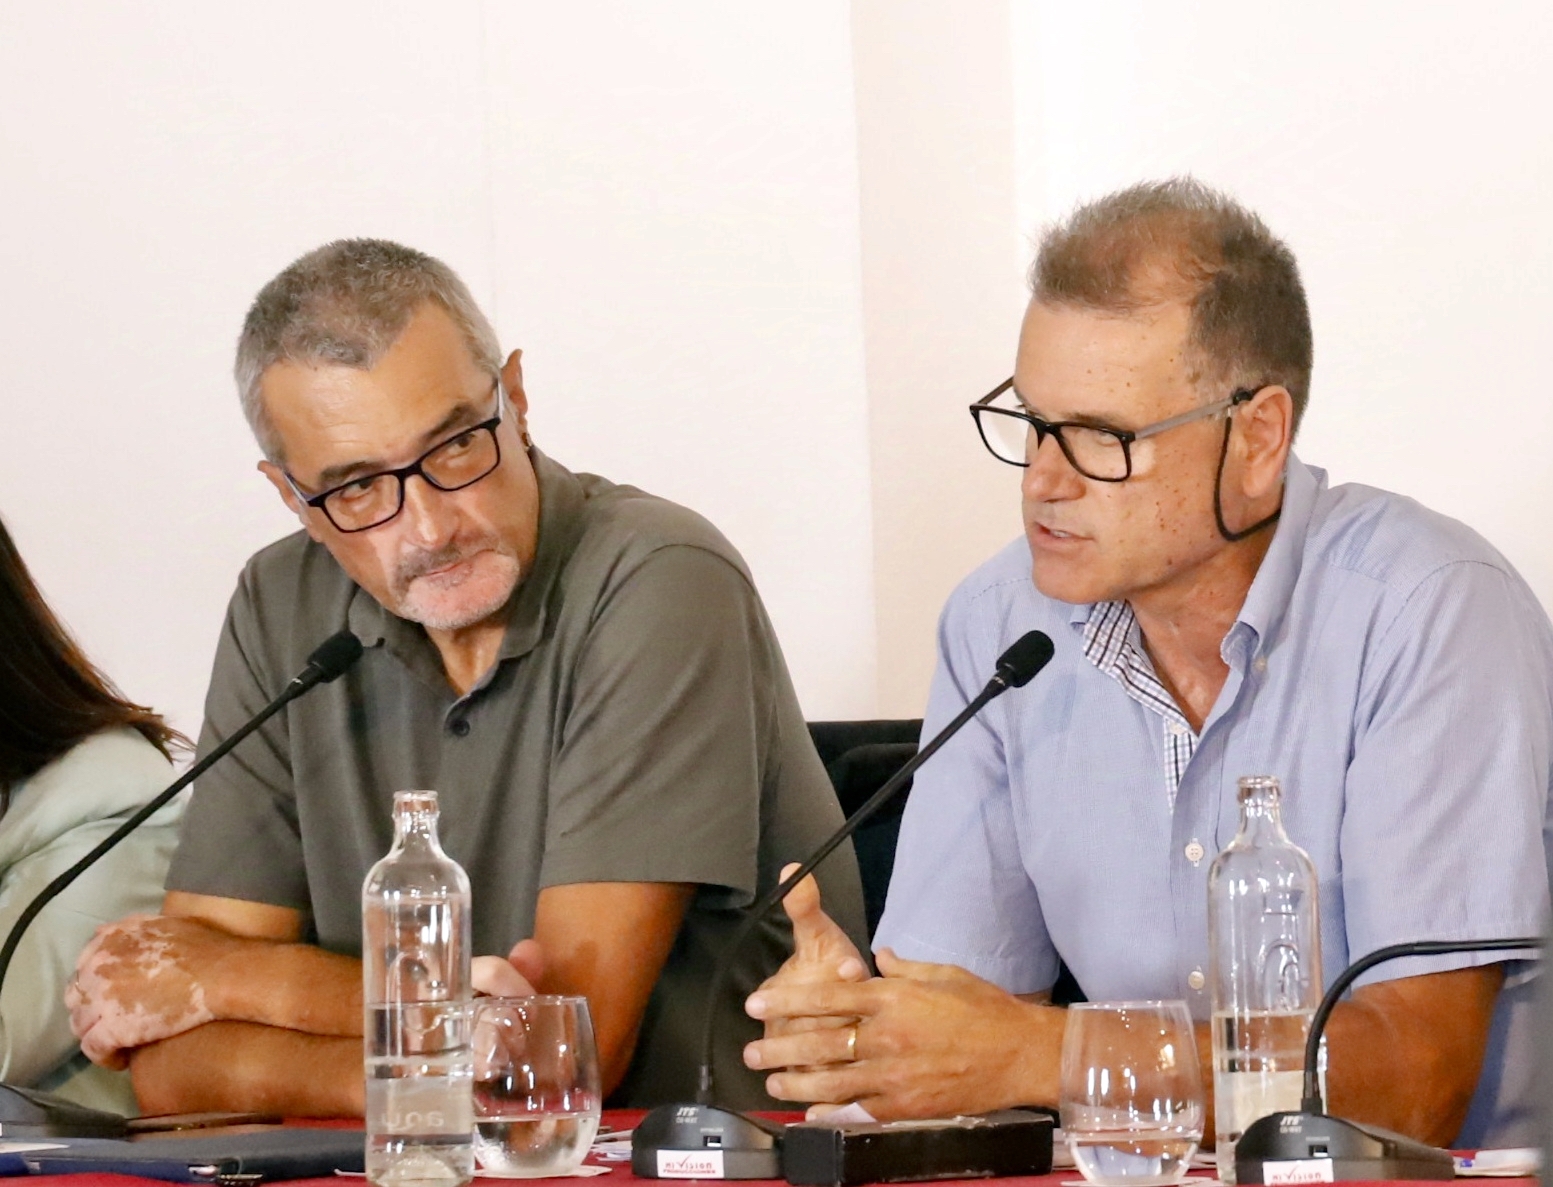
1218	481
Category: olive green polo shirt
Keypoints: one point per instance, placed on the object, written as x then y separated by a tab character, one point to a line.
639	725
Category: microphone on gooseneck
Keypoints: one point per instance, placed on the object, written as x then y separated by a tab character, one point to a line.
28	1113
1312	1140
746	1147
330	660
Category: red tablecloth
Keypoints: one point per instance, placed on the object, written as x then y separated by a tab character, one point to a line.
619	1174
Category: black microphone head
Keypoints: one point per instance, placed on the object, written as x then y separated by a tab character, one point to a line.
334	655
1029	653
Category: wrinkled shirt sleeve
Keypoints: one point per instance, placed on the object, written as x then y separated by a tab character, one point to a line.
959	893
1442	831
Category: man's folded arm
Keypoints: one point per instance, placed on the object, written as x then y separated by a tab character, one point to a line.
268	976
286	1017
1406	1054
276	1023
243	1067
608	941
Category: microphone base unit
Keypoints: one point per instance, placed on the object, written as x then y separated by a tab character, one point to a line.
705	1142
1319	1148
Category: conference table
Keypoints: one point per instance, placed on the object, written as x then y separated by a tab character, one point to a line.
619	1174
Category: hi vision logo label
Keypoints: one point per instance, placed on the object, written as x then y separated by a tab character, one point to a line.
1297	1170
690	1164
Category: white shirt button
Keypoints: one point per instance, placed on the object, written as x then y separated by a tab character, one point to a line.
1195	979
1260	663
1194	851
1177	729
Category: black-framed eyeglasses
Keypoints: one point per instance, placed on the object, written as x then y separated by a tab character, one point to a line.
1094	451
373	499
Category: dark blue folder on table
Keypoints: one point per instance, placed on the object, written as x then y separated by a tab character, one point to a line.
228	1158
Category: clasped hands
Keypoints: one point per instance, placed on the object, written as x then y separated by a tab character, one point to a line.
921	1040
146	978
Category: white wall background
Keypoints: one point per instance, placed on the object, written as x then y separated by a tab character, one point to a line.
758	257
658	204
943	294
1405	152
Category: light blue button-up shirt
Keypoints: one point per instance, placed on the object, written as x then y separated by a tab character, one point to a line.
1388	666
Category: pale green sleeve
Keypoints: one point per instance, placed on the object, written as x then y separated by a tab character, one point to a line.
35	1033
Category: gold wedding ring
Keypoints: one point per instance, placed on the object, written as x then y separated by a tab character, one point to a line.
852	1045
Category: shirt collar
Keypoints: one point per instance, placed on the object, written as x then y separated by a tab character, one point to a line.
560	521
561	501
1267	601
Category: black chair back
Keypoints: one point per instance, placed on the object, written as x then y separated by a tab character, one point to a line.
859	756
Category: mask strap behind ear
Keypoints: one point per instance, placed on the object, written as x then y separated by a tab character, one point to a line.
1218	482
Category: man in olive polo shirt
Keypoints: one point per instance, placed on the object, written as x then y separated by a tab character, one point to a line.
583	672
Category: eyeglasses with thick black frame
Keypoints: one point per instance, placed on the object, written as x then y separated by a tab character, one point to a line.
1103	454
373	499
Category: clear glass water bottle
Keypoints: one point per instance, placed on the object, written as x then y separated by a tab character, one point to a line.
415	969
1264	941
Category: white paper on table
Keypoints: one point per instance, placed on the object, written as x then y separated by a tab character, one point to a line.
29	1147
1500	1164
614	1148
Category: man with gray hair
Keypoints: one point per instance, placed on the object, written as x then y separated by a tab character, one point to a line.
583	672
1219	611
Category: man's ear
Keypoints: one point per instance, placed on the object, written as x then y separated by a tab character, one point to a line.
1265	438
288	496
512	382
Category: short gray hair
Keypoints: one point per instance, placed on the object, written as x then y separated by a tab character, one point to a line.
1180	240
346	304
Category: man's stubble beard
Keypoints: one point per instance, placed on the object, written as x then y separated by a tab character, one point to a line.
491	584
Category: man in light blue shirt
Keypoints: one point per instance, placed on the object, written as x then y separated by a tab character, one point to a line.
1218	611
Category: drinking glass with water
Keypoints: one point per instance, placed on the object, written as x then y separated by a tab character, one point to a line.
537	1096
1131	1095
